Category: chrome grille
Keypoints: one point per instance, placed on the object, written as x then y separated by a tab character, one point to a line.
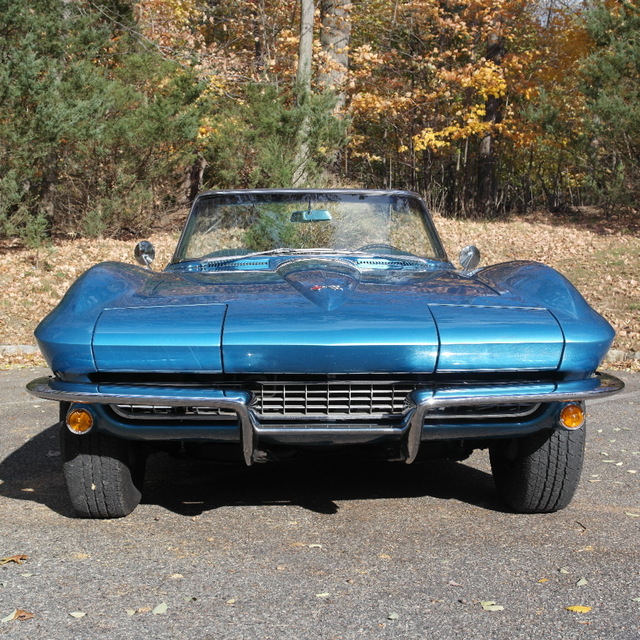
350	398
483	411
319	400
158	412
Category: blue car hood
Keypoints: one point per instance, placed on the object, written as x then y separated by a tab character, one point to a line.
315	317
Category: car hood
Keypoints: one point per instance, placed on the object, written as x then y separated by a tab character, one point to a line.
324	316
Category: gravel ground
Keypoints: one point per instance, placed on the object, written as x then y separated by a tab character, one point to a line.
322	550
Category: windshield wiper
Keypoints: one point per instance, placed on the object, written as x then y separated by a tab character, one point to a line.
396	257
276	252
224	260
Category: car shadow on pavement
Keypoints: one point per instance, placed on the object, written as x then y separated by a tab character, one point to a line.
191	488
33	472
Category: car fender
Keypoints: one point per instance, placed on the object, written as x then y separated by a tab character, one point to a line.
64	335
539	284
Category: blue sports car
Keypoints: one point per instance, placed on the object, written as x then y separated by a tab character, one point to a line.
295	321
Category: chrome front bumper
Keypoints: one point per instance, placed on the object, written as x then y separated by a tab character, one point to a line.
412	429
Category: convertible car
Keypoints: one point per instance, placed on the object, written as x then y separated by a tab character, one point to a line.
296	321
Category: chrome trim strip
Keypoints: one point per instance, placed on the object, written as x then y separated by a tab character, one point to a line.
49	388
432	397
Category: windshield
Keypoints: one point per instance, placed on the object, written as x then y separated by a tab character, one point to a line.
236	224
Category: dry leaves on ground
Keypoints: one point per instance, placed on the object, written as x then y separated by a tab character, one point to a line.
19	559
18	614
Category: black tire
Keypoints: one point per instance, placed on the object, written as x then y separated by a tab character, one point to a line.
538	473
104	475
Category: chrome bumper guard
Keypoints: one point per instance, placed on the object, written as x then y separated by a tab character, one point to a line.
420	402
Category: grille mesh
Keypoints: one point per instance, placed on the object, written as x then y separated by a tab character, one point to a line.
332	398
159	412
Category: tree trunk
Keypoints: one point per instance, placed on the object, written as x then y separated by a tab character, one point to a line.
487	186
335	38
192	183
303	90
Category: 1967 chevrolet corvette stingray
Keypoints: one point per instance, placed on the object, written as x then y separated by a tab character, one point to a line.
292	321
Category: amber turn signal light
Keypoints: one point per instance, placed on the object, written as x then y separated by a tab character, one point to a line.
79	421
572	416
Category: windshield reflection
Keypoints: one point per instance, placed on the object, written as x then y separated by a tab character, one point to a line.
231	225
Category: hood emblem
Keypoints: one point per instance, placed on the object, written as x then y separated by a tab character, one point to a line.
332	287
326	282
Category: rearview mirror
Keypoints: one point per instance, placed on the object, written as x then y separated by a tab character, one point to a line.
311	215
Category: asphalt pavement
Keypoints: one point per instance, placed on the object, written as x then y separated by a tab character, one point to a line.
320	550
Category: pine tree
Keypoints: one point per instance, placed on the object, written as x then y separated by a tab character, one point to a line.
611	82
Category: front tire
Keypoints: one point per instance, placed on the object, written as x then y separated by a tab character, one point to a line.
538	473
104	475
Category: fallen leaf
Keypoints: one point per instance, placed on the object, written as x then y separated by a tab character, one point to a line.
582	582
176	576
543	580
26	575
315	546
579	608
130	612
490	605
393	616
10	617
452	583
23	615
632	515
384	556
18	614
77	614
636	599
160	609
563	570
589	548
322	595
17	559
143	609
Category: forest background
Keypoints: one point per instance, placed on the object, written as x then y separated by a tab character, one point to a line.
114	114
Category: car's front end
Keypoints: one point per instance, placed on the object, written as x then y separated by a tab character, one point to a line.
296	321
